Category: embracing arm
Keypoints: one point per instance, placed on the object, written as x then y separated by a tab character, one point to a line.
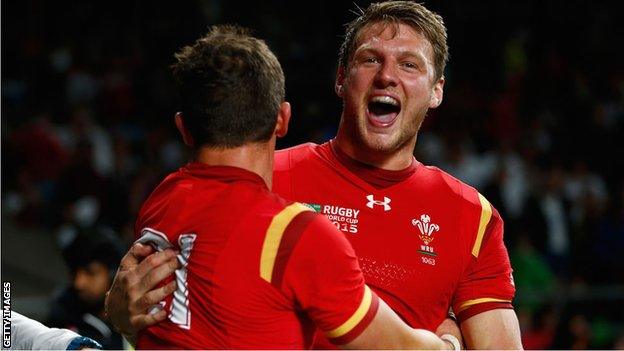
388	331
134	289
493	329
29	334
449	330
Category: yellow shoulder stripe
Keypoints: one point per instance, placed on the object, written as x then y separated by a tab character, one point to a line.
355	318
274	235
469	303
486	215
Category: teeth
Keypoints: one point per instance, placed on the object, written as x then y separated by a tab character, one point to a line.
385	100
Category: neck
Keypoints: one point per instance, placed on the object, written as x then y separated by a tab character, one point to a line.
391	160
254	157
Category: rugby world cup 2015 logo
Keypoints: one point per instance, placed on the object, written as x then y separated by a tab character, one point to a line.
426	233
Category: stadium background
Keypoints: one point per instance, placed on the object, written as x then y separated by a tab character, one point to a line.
533	116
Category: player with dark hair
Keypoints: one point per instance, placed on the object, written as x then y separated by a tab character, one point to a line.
256	271
425	241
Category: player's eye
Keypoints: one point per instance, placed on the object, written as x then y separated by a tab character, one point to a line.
370	59
410	65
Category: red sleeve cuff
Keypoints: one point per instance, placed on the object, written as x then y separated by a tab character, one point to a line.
482	307
361	326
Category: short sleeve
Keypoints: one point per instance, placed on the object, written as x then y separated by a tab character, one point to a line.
325	280
487	283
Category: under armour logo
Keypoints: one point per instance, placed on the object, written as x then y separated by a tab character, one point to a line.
372	202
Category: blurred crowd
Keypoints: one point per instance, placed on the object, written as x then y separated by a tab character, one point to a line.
533	117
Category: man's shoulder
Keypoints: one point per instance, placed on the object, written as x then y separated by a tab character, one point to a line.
449	187
175	186
183	196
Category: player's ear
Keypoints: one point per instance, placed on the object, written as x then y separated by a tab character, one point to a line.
283	119
186	135
339	85
437	93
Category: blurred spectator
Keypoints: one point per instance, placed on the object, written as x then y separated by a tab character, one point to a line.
514	183
539	330
465	163
580	333
547	220
92	257
586	191
81	86
604	244
82	192
619	342
34	161
531	272
83	127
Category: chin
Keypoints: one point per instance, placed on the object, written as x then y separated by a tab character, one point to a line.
381	143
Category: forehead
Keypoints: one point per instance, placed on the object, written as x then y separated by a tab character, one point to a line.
96	267
383	34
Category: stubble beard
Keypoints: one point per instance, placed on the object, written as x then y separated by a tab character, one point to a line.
386	144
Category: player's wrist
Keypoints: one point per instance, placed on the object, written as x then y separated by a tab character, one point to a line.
452	341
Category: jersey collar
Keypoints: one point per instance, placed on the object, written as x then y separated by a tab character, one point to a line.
227	174
377	177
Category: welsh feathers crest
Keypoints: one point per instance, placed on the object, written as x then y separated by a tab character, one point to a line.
426	228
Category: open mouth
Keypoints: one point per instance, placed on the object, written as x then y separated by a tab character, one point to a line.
383	110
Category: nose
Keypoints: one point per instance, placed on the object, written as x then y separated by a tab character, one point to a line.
387	75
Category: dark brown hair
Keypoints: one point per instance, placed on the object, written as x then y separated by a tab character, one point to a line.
231	87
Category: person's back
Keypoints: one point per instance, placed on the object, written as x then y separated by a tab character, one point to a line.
246	253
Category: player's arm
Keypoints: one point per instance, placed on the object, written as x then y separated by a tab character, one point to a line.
494	329
29	334
449	326
483	298
133	289
388	331
330	289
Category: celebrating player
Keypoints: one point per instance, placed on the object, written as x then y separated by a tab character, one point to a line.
425	241
251	275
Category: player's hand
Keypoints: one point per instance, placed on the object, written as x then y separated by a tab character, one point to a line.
449	326
132	291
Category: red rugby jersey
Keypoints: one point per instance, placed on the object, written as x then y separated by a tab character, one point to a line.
258	272
425	241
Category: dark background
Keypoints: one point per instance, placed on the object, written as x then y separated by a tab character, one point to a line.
533	117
